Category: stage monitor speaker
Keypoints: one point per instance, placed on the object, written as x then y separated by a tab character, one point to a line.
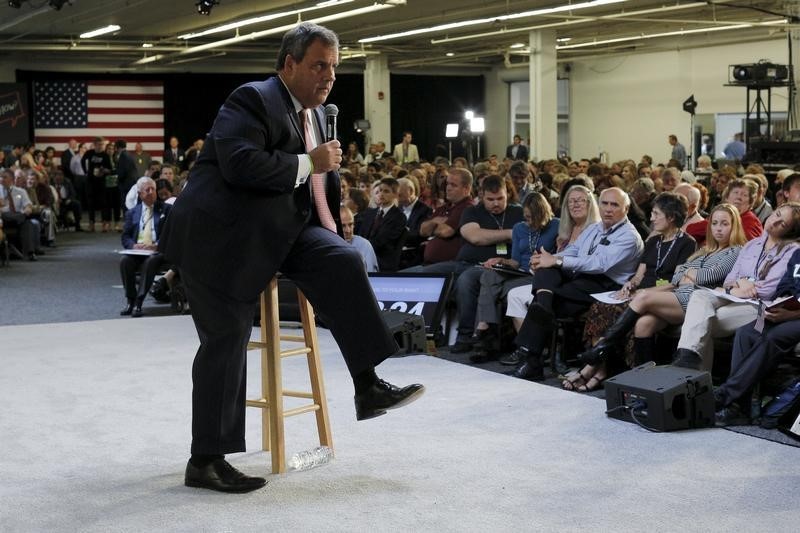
662	398
408	331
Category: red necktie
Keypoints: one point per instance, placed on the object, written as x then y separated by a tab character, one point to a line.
317	180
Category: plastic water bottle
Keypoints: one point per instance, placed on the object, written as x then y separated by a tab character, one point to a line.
308	459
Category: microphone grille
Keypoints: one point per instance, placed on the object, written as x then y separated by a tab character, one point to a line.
331	110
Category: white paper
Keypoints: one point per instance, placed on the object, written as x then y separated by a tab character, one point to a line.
732	298
609	298
136	251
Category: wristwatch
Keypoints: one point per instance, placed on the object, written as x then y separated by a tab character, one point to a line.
559	261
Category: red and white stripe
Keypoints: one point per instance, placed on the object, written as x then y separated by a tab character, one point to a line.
130	110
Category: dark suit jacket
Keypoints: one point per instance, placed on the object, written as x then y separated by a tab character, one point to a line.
522	152
239	214
419	214
171	159
388	238
126	171
130	231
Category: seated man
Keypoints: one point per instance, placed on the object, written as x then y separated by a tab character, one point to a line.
442	227
142	228
69	200
16	210
694	225
486	229
758	349
603	258
385	226
415	212
362	245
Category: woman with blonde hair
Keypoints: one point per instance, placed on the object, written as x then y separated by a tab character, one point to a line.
651	310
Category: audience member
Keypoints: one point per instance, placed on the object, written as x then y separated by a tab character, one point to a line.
443	227
362	245
741	194
140	236
694	225
756	274
415	212
517	150
603	258
69	203
385	226
538	231
16	210
761	207
97	165
141	159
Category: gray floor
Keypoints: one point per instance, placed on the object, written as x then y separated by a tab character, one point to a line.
95	432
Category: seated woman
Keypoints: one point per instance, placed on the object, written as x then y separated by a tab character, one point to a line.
662	254
538	230
756	274
652	310
578	211
757	351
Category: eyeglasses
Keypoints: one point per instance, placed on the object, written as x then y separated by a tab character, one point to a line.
577	201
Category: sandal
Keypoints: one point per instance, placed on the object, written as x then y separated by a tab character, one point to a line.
575	380
588	386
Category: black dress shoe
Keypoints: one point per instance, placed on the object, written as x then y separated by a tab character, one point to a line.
530	370
127	310
514	358
731	415
686	358
461	347
485	340
382	396
220	475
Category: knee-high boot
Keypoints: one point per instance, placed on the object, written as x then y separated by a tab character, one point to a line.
614	336
643	350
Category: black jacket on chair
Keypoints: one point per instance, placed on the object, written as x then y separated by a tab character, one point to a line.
232	229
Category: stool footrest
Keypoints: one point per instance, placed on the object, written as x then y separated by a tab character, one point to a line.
298	394
296	351
300	410
262	403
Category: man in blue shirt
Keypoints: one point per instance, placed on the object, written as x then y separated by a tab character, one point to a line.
603	258
735	149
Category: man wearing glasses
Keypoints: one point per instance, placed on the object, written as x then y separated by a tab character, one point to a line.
603	258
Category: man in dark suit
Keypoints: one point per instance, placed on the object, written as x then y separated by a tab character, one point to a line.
173	155
127	174
264	196
517	151
385	226
416	213
143	225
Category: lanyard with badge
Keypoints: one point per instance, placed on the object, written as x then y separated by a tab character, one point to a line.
659	261
501	248
604	241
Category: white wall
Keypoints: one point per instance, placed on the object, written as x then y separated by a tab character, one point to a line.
627	105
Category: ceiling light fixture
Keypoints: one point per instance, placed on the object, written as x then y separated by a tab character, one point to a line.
282	29
100	31
204	6
562	24
492	20
664	34
262	18
147	45
517	45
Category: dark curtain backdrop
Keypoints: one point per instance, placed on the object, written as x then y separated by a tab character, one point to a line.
424	105
421	104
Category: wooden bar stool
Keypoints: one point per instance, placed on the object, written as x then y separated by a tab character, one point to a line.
272	391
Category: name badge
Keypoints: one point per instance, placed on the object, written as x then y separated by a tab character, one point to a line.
502	249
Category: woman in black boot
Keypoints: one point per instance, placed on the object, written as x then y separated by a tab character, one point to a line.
653	309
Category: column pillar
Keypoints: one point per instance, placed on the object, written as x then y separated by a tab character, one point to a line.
377	100
543	95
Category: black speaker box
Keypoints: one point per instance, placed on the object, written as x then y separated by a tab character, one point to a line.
408	331
662	398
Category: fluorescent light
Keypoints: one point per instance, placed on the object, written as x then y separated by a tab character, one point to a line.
100	31
492	20
563	39
148	59
147	45
517	45
449	54
585	20
262	18
664	34
286	27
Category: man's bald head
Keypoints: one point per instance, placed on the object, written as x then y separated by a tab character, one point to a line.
691	194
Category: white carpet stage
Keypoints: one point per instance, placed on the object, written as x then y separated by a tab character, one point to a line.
95	432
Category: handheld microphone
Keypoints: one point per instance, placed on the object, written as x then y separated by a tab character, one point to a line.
331	111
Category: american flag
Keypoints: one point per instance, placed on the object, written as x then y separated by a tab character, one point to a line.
82	110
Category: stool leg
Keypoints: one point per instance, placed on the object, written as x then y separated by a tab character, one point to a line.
265	337
274	380
315	371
